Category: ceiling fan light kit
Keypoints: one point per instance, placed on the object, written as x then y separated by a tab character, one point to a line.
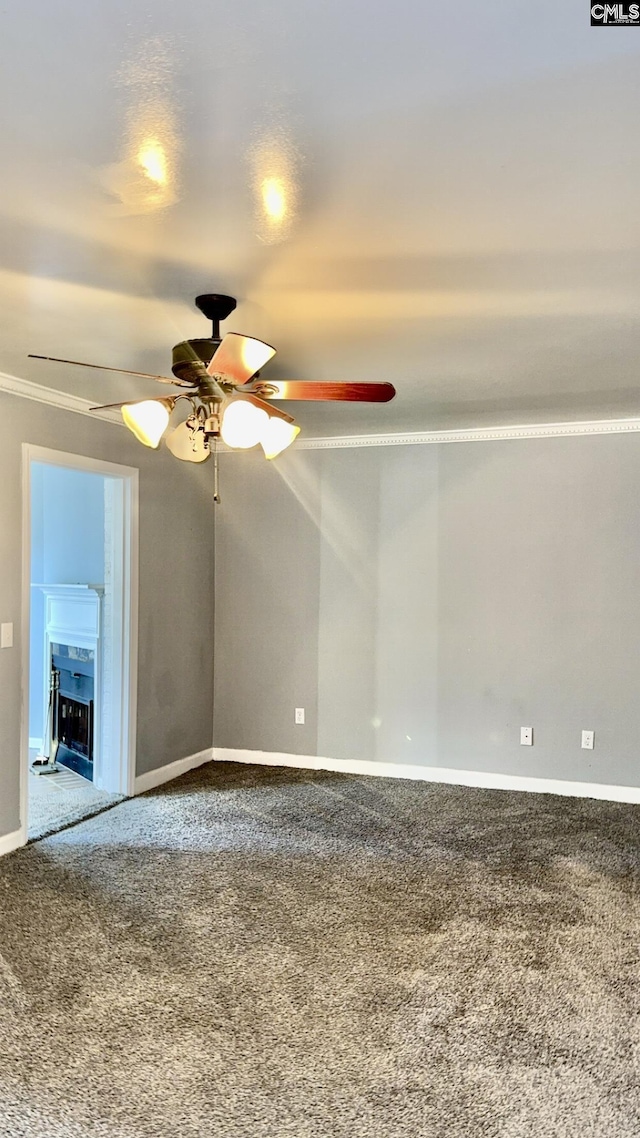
277	436
243	424
187	441
148	420
219	376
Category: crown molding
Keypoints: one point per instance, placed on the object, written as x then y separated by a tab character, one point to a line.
474	434
27	389
38	393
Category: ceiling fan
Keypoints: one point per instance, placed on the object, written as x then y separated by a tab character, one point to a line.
220	378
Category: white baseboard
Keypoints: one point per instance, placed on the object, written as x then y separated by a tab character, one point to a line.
451	776
11	842
172	770
35	745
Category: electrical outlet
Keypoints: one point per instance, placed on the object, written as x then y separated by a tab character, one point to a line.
299	714
588	740
526	736
6	635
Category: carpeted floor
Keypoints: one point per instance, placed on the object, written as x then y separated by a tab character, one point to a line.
57	800
265	953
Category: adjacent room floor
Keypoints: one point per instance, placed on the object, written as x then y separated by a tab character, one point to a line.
253	952
56	800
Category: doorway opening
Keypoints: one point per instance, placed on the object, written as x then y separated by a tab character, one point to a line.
79	640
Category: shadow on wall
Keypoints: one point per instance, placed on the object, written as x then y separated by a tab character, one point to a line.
336	567
425	602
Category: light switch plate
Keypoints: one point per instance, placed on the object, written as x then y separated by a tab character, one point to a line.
6	635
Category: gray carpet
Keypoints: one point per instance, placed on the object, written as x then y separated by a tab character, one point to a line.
57	800
263	953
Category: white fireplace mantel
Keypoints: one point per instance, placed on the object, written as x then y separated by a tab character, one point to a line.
72	615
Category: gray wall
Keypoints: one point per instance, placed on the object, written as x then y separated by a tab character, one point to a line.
423	603
176	587
268	567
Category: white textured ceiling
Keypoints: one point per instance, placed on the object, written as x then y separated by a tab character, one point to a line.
461	189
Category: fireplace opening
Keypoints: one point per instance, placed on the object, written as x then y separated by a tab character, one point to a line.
74	711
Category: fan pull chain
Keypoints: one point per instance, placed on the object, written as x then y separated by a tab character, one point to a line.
216	493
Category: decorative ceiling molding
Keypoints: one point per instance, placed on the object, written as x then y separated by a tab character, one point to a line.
26	389
474	434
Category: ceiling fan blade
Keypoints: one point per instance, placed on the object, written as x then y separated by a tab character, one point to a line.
121	370
268	407
113	406
238	358
131	402
305	390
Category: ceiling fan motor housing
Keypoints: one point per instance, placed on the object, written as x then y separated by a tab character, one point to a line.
190	359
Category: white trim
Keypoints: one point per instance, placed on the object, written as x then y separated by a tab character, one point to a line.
164	774
38	393
124	497
11	842
453	777
73	461
120	778
474	434
27	389
25	654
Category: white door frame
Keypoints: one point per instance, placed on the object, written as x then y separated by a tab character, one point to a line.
119	732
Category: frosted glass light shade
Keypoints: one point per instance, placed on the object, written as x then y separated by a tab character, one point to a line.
148	420
243	424
277	436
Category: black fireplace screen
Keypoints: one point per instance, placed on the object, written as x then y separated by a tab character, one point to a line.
74	707
75	725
